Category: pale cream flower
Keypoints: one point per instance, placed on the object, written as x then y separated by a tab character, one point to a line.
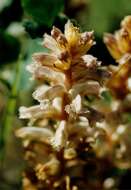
47	92
60	138
38	111
35	133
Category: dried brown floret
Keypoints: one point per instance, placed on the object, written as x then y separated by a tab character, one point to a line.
119	44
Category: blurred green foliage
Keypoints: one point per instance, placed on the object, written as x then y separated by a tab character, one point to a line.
43	11
9	48
107	97
105	15
11	12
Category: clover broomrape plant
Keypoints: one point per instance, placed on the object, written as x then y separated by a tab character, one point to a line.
66	134
118	121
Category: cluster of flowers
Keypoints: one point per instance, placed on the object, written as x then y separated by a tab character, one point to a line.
69	140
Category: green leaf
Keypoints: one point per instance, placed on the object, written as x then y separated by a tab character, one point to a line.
36	30
43	11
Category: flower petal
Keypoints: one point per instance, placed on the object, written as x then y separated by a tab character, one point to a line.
35	133
126	23
46	73
112	46
82	73
50	43
47	92
85	88
60	139
38	111
44	59
72	34
59	37
74	108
